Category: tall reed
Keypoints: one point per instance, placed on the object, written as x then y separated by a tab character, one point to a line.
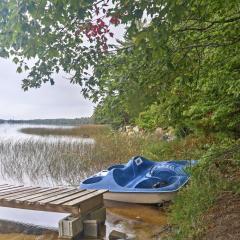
84	131
63	162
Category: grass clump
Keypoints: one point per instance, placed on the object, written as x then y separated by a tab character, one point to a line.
60	162
83	131
189	148
217	172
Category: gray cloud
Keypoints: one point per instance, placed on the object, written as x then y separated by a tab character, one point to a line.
61	100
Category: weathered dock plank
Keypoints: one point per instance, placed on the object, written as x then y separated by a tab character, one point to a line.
67	200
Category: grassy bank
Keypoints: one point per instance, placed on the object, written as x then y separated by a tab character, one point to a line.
217	173
204	209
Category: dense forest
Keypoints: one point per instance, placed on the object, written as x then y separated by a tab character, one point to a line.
58	121
181	69
177	65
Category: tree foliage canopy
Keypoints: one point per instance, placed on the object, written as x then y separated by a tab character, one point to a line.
179	64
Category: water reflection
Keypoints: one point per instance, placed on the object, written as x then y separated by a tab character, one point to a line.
47	220
138	221
16	231
55	161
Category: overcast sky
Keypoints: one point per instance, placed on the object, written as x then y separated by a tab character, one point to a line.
63	100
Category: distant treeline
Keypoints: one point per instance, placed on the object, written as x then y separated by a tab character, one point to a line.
59	121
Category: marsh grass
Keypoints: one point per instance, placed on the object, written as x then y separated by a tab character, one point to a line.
64	162
83	131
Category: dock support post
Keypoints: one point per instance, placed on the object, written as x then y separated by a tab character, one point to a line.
73	227
70	227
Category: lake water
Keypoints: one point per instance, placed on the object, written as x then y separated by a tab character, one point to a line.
41	161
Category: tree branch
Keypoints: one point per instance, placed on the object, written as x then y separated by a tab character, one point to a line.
213	44
211	23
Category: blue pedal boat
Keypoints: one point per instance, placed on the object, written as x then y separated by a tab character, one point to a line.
141	180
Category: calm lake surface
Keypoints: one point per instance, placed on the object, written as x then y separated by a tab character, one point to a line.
59	161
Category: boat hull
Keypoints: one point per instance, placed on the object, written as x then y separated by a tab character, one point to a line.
142	198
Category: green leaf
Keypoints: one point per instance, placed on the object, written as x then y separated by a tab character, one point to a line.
19	69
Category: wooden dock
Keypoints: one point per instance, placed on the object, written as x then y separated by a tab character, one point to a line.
79	203
64	200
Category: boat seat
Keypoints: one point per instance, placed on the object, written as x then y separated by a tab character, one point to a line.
130	175
123	176
163	173
152	183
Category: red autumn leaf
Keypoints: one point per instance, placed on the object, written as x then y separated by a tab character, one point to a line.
114	20
99	31
100	22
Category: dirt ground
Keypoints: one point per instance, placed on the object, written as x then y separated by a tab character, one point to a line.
223	220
